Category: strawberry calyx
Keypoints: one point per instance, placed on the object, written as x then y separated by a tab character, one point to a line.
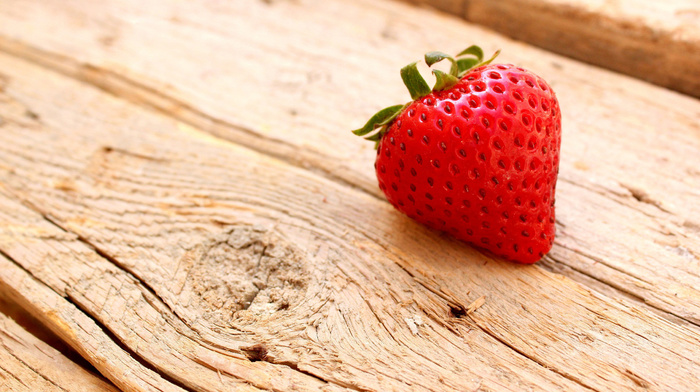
466	60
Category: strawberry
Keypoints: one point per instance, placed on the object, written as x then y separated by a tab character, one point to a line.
476	156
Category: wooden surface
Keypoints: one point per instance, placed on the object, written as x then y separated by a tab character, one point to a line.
656	41
182	202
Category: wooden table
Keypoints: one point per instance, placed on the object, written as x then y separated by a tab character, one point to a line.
182	203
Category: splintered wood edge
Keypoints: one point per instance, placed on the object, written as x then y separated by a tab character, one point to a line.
27	363
78	330
654	41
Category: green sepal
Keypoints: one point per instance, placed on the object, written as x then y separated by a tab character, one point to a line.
416	85
469	63
435	57
443	80
381	118
472	57
466	64
492	58
474	51
376	137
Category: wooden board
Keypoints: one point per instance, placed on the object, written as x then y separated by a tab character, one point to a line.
226	242
656	41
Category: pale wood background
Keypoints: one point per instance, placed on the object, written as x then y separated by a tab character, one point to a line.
656	41
182	203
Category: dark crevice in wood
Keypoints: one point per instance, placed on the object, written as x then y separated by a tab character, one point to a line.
32	325
113	337
458	311
643	197
256	352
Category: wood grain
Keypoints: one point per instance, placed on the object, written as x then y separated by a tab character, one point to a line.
265	250
656	41
324	84
319	308
346	294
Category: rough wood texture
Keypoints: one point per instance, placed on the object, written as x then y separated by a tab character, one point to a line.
29	364
225	241
656	41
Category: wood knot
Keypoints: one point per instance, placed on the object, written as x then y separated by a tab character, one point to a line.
245	269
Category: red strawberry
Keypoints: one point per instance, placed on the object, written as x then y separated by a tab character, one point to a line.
477	156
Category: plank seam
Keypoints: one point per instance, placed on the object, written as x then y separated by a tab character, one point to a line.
148	97
68	298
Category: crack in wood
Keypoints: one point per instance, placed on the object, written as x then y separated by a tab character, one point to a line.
28	322
643	197
112	336
116	263
19	380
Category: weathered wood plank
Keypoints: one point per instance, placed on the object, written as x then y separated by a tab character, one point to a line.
29	364
320	308
347	290
620	214
656	41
